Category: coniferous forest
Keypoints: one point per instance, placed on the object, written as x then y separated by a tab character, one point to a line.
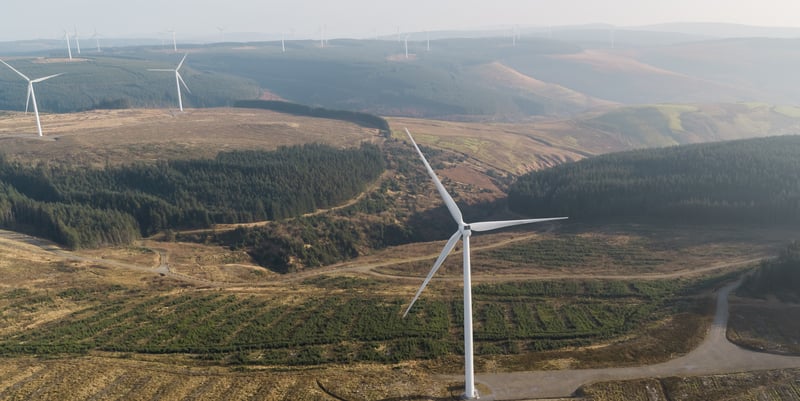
778	277
88	208
749	181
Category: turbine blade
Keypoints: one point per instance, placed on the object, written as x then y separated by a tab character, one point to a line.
180	78
45	78
446	251
15	70
181	63
448	200
494	225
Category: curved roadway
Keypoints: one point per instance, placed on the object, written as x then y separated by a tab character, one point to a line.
716	355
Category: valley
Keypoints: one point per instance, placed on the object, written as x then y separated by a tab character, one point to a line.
233	251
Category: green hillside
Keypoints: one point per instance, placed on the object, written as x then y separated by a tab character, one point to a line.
666	124
119	82
89	208
747	181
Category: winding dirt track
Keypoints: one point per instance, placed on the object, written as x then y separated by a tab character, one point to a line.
716	355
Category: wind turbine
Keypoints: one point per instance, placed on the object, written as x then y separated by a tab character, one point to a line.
31	93
283	42
463	233
428	46
221	30
77	39
69	48
178	79
406	44
174	42
96	37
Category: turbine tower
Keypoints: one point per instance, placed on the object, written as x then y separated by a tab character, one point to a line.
178	79
463	233
406	44
31	93
69	48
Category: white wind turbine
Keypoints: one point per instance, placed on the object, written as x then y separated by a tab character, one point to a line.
69	48
31	93
174	42
178	79
77	39
96	37
428	46
406	44
463	233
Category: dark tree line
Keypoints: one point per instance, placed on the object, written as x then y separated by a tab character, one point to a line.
779	277
753	181
73	225
234	187
363	119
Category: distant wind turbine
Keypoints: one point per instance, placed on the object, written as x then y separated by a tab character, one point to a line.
428	46
178	79
514	36
221	30
96	37
283	42
77	39
174	42
463	233
406	44
31	93
69	47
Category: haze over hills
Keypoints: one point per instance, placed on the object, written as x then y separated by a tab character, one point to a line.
563	73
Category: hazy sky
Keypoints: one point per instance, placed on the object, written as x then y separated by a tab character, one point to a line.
29	19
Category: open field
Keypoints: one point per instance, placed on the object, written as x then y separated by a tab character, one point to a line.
99	138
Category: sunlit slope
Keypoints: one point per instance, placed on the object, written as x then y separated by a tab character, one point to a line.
665	125
766	67
123	136
522	147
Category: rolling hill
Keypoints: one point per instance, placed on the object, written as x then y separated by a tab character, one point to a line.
746	181
475	79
